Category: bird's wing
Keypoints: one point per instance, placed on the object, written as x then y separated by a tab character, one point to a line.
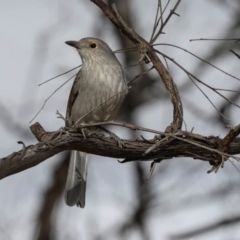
72	97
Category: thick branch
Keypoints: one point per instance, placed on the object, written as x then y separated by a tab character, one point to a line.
52	143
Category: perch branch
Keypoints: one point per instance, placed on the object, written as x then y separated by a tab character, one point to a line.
183	144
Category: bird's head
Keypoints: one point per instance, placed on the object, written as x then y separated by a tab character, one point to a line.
93	49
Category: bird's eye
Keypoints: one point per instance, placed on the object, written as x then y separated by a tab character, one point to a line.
93	45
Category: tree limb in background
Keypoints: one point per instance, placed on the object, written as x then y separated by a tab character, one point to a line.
51	197
208	228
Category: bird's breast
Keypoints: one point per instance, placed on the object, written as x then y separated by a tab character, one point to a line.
101	92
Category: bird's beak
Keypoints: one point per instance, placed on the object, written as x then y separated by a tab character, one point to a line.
72	43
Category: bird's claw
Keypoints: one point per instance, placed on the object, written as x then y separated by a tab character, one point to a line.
117	139
114	136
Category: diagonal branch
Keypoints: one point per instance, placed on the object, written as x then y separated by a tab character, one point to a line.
146	49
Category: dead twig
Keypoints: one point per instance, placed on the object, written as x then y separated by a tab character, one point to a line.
51	96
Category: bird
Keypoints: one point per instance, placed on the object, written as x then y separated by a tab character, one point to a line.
96	96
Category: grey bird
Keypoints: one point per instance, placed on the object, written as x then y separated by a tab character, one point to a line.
96	96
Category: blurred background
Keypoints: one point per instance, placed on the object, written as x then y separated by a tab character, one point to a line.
180	201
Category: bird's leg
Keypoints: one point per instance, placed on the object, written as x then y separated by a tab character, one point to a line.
114	136
88	132
96	133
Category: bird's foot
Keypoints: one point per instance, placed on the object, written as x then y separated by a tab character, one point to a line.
114	136
96	134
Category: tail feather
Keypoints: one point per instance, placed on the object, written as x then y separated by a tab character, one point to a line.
75	190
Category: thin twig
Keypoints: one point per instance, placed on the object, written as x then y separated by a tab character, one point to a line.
165	22
185	50
164	11
130	49
51	96
139	75
215	39
165	60
59	115
59	75
136	65
207	148
161	15
227	90
156	22
197	79
155	145
190	77
234	165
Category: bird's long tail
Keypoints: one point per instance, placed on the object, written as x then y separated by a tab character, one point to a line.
75	189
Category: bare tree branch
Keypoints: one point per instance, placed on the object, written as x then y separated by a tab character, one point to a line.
146	49
165	22
186	144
